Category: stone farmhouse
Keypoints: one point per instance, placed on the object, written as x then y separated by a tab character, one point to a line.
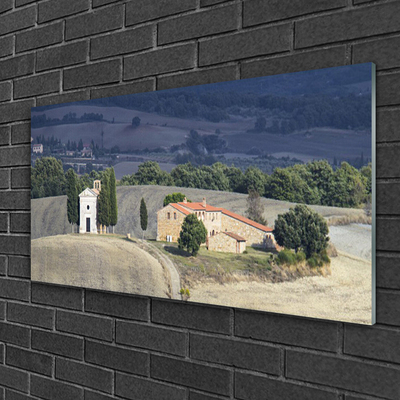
88	209
226	231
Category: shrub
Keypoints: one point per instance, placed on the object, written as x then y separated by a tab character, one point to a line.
300	256
286	257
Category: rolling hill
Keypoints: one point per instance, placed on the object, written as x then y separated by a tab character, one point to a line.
49	215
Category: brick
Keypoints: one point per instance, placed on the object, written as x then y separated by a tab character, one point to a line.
95	22
201	396
89	395
386	90
382	52
246	44
50	389
134	388
124	42
378	344
39	37
3	265
205	3
198	376
19	267
16	66
117	305
17	20
12	288
388	272
56	343
4	138
99	3
200	317
388	234
251	387
57	296
117	358
258	11
14	334
146	85
146	10
29	360
2	310
67	97
86	325
54	9
18	245
14	200
12	395
19	3
235	353
199	77
3	222
20	223
20	178
321	335
5	91
21	133
386	165
85	375
62	56
92	74
387	122
199	24
31	315
151	337
341	26
6	46
37	85
13	378
160	61
6	5
325	58
358	376
386	198
12	112
387	308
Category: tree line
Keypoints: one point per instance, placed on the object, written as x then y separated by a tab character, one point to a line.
312	183
41	120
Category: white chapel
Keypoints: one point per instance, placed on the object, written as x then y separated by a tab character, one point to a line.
88	208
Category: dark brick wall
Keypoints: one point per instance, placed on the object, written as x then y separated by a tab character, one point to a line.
69	343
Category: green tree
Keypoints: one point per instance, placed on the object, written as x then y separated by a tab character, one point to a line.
255	209
113	199
174	198
73	199
47	178
193	234
135	122
103	216
143	216
302	229
254	180
150	173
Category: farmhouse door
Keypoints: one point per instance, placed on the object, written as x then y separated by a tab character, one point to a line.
88	225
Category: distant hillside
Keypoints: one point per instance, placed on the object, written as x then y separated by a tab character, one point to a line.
49	215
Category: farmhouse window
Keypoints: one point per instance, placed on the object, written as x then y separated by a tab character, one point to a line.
169	215
174	215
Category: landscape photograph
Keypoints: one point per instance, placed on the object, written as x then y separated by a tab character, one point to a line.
257	193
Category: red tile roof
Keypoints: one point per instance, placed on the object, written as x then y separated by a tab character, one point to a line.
199	206
237	237
179	208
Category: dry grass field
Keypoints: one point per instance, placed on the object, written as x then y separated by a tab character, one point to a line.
99	262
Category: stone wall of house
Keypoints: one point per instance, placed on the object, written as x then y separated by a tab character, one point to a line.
170	226
253	236
212	222
226	244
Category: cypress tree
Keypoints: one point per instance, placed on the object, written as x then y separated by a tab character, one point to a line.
73	199
143	216
103	215
113	199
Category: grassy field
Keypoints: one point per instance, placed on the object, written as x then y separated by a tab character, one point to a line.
254	264
108	262
49	215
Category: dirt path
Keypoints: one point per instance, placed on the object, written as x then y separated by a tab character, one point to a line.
345	295
167	263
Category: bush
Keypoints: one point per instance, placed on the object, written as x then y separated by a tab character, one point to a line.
286	257
300	256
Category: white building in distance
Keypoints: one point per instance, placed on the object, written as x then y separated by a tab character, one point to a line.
88	208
